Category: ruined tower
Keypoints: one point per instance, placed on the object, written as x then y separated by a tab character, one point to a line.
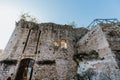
49	51
41	51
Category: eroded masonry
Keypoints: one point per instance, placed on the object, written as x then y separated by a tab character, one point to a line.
49	51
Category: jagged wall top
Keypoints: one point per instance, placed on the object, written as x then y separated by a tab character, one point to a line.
32	25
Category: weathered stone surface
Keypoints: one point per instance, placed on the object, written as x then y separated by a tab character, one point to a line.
49	51
105	40
36	41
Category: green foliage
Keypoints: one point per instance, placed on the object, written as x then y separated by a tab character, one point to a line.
28	17
72	24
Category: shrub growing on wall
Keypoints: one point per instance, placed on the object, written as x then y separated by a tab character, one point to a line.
28	17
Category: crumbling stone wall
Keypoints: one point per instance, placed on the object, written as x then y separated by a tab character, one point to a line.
106	64
36	41
112	33
60	52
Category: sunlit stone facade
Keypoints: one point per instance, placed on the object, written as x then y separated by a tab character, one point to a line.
49	51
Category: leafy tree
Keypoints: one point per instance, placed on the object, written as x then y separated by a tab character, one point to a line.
28	17
73	24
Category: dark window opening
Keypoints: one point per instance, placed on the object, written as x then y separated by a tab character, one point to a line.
46	62
25	69
9	62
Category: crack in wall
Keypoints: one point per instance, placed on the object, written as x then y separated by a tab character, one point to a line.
37	42
26	40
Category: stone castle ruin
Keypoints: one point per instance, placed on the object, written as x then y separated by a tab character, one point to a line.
49	51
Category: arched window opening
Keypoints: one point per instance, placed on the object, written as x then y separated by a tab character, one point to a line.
63	44
25	69
55	43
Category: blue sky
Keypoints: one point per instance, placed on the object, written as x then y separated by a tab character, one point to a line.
58	11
